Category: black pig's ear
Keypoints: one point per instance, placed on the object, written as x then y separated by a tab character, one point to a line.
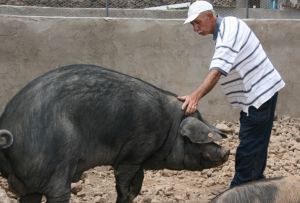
197	131
217	132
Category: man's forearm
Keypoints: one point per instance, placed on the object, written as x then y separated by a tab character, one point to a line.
209	82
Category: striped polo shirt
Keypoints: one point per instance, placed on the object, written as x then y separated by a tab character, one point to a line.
248	76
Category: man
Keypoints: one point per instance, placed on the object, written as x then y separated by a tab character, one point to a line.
249	81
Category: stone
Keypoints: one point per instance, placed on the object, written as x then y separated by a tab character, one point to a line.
224	128
3	196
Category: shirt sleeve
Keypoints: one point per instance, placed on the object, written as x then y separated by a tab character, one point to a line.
227	46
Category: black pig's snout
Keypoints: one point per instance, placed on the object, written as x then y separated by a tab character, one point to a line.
225	153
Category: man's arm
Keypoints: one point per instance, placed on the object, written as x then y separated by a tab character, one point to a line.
190	102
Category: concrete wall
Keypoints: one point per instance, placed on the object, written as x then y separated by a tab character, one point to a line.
141	13
163	52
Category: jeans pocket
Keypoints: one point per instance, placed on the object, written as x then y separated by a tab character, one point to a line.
260	115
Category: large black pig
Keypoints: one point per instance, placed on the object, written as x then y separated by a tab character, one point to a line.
81	116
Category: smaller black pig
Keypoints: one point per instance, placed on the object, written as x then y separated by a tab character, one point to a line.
81	116
275	190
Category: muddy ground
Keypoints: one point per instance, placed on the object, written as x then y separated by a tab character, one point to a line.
164	186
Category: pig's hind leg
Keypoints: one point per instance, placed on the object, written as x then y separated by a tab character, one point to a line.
59	187
31	198
17	186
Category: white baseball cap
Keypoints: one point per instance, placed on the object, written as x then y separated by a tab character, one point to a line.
196	8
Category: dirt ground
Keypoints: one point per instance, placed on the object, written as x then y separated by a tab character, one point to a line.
164	186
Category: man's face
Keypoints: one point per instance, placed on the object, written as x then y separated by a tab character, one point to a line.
203	24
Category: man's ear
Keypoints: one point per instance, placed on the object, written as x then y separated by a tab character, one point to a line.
209	15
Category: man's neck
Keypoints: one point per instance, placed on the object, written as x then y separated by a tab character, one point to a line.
214	21
218	20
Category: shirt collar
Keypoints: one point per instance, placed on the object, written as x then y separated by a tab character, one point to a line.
217	27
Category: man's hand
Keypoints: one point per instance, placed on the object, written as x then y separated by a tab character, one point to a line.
190	103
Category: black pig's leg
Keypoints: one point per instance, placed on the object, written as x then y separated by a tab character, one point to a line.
61	195
59	187
136	183
128	182
59	198
31	198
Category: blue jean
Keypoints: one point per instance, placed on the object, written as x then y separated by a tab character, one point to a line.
252	152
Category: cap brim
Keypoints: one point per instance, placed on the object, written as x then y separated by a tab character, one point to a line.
191	18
